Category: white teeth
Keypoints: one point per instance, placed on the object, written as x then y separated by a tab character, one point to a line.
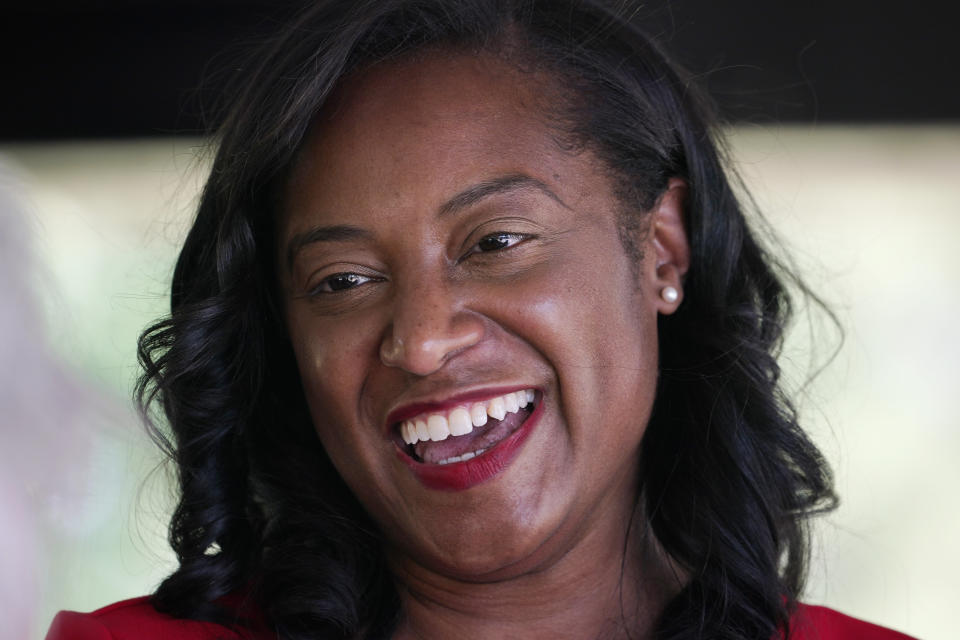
409	435
423	434
438	427
478	414
496	409
463	458
459	420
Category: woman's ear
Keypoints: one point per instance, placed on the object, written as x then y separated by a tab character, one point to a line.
671	249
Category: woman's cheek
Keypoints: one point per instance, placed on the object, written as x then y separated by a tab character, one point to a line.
327	343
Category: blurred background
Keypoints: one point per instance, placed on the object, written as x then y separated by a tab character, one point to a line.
844	123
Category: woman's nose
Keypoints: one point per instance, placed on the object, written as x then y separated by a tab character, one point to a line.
427	328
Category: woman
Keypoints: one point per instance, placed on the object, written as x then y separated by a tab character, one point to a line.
470	337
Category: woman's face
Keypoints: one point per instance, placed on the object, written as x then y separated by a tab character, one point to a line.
443	258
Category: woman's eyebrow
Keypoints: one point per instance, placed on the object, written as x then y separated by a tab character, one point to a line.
331	233
496	186
464	199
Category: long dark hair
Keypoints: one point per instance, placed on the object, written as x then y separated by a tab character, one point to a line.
728	477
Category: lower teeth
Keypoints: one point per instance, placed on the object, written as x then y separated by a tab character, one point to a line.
462	458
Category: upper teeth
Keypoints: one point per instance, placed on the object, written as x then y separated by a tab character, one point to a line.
461	420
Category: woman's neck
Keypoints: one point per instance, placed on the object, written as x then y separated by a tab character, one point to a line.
610	584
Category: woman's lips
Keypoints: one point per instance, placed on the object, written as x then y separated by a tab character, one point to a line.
459	462
436	426
411	410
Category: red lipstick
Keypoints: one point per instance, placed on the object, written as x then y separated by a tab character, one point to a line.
410	410
457	476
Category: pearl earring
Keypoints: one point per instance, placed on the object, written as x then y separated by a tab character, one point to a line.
669	294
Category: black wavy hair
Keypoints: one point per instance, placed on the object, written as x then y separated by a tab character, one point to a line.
728	476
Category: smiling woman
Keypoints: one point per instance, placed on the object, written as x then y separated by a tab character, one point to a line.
470	338
454	306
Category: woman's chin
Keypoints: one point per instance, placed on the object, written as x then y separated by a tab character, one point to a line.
501	545
503	527
485	556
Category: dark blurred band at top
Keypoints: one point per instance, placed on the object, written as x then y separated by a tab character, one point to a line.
132	68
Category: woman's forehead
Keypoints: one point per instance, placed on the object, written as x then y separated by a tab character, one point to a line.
431	124
459	92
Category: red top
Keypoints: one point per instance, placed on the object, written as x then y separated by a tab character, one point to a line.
136	620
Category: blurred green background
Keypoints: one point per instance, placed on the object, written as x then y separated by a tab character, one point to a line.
870	215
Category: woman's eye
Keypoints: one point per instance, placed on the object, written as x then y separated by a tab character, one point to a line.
498	242
340	282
